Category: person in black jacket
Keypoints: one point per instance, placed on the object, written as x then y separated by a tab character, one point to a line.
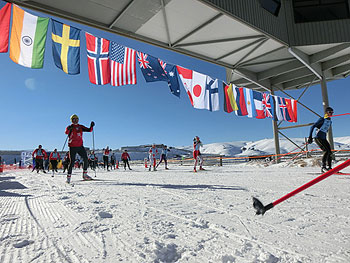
323	124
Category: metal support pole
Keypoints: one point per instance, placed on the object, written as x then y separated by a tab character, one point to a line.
325	104
308	155
275	135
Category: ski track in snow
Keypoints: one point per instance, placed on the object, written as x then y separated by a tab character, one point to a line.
173	216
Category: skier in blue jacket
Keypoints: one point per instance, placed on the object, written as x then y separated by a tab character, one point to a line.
323	124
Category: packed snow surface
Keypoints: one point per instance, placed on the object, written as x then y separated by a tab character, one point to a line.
175	215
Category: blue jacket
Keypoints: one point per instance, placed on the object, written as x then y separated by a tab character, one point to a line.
323	125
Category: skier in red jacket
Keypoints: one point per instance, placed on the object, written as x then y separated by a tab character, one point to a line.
125	158
54	157
75	143
39	154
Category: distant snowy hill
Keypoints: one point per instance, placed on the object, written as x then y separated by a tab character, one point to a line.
262	147
228	149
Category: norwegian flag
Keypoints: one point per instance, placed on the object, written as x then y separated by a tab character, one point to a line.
123	65
281	109
98	59
268	105
151	68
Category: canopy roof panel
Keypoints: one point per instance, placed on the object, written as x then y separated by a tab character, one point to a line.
200	29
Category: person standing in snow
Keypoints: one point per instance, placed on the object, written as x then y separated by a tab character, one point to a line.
152	156
75	143
92	160
163	156
112	161
323	124
106	158
65	162
125	158
197	154
39	154
54	157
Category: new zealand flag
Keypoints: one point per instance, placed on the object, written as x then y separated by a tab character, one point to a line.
150	67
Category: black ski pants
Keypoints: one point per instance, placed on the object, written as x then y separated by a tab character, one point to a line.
327	152
54	165
126	162
73	151
105	162
39	164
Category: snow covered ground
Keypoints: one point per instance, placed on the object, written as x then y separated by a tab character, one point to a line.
175	216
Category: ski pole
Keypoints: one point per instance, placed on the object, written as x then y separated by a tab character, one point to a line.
64	145
93	146
261	209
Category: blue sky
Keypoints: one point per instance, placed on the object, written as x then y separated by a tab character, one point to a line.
36	105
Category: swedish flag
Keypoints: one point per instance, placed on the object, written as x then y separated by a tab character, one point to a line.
66	47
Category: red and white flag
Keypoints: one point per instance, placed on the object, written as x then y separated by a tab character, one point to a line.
195	84
123	65
5	15
292	110
199	82
98	59
186	78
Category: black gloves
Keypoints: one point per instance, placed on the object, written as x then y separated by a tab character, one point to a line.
92	124
309	140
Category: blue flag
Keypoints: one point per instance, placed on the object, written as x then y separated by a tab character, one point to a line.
66	47
151	68
154	69
173	82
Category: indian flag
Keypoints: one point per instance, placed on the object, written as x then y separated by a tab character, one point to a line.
28	37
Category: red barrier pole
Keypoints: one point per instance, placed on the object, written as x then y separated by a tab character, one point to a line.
261	209
340	115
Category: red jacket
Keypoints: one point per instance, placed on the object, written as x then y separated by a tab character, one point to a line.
54	156
39	154
125	156
76	134
106	153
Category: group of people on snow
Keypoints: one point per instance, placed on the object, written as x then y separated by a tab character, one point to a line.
75	143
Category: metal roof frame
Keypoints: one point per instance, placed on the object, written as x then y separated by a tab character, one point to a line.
252	56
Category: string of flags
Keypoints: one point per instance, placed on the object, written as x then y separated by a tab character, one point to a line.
115	64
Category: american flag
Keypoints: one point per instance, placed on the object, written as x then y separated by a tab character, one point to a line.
123	65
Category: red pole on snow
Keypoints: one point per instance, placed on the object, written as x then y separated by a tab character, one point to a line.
261	209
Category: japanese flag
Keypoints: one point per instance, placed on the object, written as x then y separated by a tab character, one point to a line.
199	82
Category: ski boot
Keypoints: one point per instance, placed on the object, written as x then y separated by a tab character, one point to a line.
86	177
325	169
68	179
